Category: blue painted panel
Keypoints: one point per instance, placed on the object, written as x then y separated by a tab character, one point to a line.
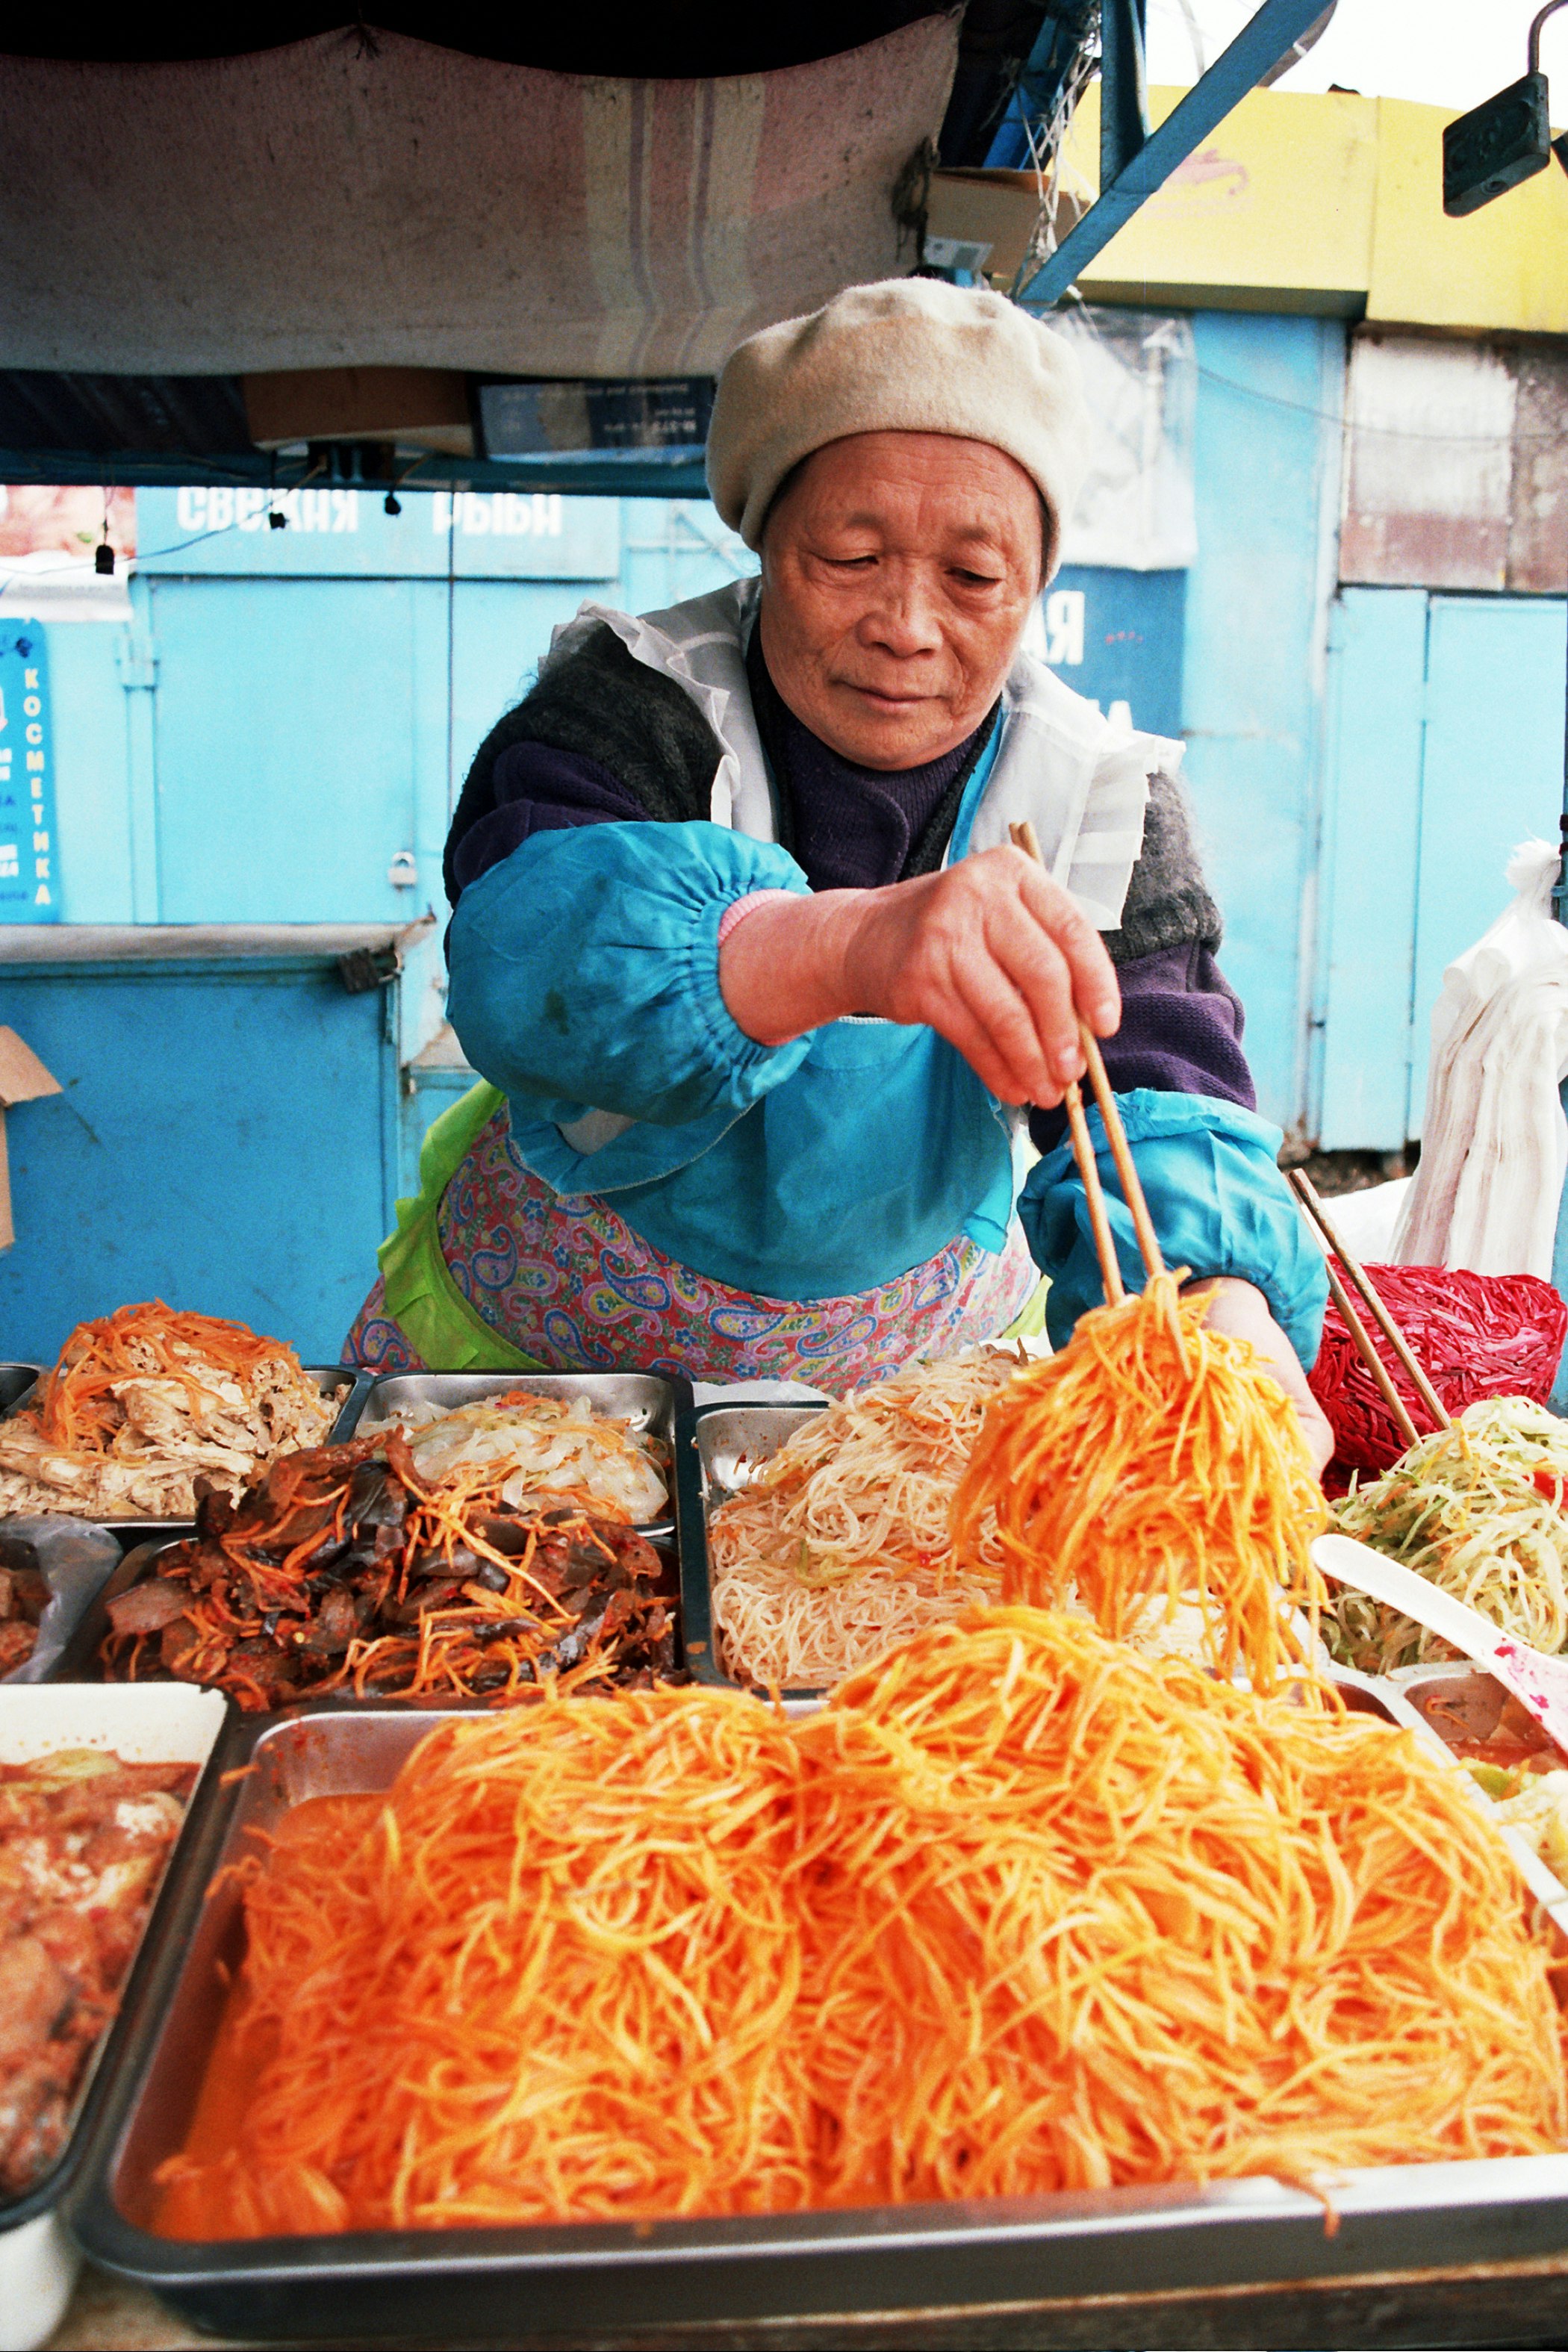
92	788
30	876
285	746
218	1144
1265	447
499	635
1492	775
675	550
1376	692
426	1094
214	529
1117	637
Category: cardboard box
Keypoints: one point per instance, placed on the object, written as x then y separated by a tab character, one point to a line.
413	408
23	1078
994	212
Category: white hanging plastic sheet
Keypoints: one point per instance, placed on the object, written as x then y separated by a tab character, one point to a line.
1136	509
1495	1142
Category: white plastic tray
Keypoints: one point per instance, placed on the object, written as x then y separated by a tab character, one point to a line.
149	1723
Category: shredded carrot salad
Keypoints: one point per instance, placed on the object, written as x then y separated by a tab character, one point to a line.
79	1409
1020	1911
555	1977
1116	1474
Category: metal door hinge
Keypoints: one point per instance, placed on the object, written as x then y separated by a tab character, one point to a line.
363	968
137	656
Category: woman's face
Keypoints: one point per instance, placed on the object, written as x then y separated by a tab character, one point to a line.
898	572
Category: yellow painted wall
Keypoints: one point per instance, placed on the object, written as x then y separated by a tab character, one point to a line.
1231	216
1332	204
1506	266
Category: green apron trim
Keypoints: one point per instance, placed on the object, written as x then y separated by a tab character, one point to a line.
422	1298
1030	1323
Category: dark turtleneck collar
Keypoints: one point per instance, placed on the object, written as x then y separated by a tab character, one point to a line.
850	827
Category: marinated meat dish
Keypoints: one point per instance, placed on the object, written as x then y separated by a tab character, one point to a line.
83	1841
23	1597
148	1408
341	1571
536	1445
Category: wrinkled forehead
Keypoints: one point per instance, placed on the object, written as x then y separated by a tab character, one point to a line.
935	486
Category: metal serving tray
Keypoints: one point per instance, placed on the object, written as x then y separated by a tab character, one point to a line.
340	1380
731	1441
79	1661
649	1400
142	1725
576	2282
16	1383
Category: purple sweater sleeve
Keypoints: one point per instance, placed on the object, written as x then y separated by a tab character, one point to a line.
1180	1034
541	789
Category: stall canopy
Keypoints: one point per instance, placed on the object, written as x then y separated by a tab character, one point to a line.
373	200
279	248
611	199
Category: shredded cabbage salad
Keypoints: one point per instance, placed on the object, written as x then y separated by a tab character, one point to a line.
1533	1803
1481	1509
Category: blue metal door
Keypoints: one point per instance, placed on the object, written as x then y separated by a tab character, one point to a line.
287	723
224	1139
1444	749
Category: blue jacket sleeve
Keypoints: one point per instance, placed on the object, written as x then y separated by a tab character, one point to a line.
584	973
1218	1201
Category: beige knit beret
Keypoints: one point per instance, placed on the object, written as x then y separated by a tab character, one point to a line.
909	355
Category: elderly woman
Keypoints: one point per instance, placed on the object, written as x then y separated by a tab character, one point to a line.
759	987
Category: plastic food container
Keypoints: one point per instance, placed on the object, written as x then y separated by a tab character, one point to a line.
1460	1702
145	1724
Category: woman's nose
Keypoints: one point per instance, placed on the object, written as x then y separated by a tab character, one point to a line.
902	616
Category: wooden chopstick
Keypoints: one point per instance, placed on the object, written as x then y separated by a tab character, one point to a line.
1372	1359
1023	836
1099	1217
1121	1151
1306	1192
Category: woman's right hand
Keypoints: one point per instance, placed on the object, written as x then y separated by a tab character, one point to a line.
991	954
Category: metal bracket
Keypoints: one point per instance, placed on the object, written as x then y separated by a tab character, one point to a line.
1260	42
1123	87
136	657
364	969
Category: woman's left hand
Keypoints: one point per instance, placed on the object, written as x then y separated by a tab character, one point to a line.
1240	1308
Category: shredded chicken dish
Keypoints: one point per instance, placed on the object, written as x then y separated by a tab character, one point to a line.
83	1841
148	1408
555	1447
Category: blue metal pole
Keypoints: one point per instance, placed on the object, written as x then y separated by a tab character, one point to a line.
1123	87
1261	43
